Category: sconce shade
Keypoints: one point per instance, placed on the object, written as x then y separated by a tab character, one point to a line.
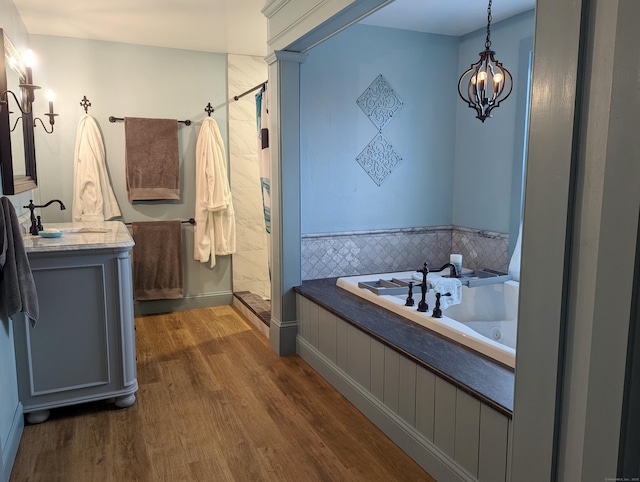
485	85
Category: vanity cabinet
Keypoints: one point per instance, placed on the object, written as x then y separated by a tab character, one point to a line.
83	345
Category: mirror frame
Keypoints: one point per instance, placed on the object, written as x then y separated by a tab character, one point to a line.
12	184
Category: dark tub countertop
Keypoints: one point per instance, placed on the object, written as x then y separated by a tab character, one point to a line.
477	375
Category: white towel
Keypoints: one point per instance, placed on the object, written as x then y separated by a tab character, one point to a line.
215	230
93	197
446	285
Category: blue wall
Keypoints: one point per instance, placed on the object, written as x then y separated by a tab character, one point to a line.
336	193
132	80
486	154
442	180
11	419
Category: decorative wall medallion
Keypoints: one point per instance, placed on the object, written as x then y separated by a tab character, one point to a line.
378	159
379	102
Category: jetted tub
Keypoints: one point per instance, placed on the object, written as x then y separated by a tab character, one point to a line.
486	320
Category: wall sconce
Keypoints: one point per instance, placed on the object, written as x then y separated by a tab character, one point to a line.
28	89
486	81
52	116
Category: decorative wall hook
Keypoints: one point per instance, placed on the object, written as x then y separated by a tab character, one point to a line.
209	109
85	104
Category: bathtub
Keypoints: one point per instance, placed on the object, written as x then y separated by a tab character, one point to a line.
485	321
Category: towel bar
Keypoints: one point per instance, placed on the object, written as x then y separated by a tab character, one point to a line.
121	119
189	221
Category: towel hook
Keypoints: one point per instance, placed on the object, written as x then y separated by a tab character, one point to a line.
209	109
85	104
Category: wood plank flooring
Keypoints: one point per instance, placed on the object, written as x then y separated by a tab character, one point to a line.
215	403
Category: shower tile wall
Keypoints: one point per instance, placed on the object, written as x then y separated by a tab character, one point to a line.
353	253
250	262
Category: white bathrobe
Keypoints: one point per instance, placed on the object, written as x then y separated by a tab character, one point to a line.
93	197
215	230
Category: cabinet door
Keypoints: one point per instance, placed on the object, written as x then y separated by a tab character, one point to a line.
69	347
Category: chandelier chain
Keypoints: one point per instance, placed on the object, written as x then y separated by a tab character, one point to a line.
487	43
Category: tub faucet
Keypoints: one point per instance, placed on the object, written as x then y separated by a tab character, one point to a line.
36	224
424	287
453	272
437	312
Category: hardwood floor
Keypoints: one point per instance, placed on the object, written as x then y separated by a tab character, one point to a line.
215	404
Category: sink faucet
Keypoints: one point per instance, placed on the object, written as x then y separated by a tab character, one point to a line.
36	226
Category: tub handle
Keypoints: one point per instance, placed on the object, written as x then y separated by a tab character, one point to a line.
437	312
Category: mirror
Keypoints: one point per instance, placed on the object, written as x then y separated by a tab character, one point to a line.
17	147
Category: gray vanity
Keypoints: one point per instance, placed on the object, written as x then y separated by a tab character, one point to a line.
83	346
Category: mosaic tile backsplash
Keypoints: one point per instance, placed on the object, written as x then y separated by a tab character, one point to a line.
363	252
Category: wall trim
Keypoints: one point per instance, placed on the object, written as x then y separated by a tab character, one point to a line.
272	8
285	56
427	455
282	336
204	300
10	450
417	230
292	25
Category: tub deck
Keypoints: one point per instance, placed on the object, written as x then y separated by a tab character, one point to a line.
483	378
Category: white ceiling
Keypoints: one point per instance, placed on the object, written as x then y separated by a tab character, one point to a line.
231	26
227	26
446	17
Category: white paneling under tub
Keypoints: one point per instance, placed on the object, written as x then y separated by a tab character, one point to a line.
444	431
407	390
425	402
467	432
450	433
327	337
359	356
377	369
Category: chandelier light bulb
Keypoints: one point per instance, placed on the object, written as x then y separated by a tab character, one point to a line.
30	58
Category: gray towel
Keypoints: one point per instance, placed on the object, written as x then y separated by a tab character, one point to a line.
157	260
17	288
151	158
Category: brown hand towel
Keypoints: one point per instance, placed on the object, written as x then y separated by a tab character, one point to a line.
151	158
17	288
157	260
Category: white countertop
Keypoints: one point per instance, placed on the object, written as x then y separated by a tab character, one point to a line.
81	236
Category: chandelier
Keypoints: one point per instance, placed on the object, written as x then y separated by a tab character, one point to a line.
487	83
